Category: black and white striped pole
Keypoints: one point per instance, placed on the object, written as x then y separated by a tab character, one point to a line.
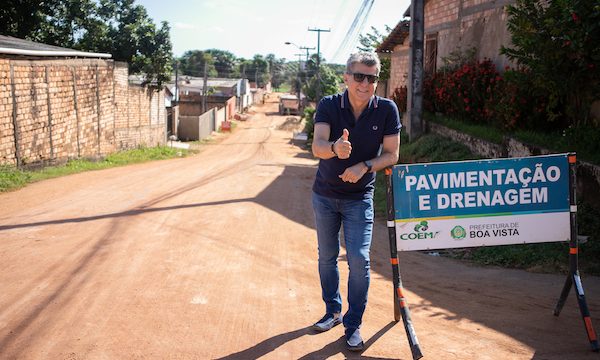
400	304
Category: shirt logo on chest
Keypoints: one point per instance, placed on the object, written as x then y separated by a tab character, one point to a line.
375	128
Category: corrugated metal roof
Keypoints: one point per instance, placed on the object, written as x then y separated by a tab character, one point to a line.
12	45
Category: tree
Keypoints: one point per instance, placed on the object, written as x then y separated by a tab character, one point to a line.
558	44
22	18
224	62
256	70
370	41
278	70
328	79
118	27
192	63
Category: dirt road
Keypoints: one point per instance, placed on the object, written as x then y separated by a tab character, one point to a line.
214	257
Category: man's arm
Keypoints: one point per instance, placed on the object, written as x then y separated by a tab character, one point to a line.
325	149
321	146
389	156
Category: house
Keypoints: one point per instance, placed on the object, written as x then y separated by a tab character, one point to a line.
190	90
450	26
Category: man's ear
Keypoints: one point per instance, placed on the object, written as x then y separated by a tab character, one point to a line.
346	78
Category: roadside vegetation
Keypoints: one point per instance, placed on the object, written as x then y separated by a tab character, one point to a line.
12	178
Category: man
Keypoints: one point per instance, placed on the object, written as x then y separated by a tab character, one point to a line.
355	135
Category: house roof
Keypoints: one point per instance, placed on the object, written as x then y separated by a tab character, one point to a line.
16	46
191	83
396	37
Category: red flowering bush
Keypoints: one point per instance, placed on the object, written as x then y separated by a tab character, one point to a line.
467	92
400	97
518	104
558	42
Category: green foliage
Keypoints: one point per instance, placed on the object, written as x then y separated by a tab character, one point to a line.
329	82
223	62
558	43
478	130
22	19
370	41
309	123
432	148
464	91
518	105
256	70
584	140
193	61
12	178
457	58
118	27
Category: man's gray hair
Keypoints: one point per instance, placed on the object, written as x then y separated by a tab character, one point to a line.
366	58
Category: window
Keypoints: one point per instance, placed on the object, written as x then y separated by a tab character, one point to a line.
431	53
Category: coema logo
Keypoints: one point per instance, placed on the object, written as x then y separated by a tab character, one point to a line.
458	233
420	232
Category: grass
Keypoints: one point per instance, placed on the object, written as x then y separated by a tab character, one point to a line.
585	142
480	131
543	257
12	178
284	88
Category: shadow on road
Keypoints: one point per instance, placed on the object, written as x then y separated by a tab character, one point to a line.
267	346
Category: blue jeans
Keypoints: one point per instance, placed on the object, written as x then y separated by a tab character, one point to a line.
356	216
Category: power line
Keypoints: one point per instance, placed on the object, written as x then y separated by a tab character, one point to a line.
355	28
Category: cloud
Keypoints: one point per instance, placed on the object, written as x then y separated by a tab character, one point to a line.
184	26
217	29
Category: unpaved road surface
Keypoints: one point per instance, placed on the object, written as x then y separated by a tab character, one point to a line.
214	257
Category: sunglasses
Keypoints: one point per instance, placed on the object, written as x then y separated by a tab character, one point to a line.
358	77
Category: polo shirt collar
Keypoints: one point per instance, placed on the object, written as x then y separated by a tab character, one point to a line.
345	101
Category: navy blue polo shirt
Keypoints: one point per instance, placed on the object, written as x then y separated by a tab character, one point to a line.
379	119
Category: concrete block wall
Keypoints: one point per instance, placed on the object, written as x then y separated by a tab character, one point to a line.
70	108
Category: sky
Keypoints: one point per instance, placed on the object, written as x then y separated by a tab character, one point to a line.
249	27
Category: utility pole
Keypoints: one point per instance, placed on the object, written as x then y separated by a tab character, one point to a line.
306	48
319	60
205	88
299	82
415	73
176	100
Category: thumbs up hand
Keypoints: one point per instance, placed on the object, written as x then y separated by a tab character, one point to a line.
342	146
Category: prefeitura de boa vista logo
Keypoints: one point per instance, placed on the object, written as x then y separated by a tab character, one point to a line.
420	232
458	233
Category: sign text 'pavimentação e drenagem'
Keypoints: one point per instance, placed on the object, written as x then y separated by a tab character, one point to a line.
486	202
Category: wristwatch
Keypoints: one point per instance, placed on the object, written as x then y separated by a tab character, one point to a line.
332	148
369	165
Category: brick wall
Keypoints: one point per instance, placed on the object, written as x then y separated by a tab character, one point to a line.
398	67
441	11
458	24
72	108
